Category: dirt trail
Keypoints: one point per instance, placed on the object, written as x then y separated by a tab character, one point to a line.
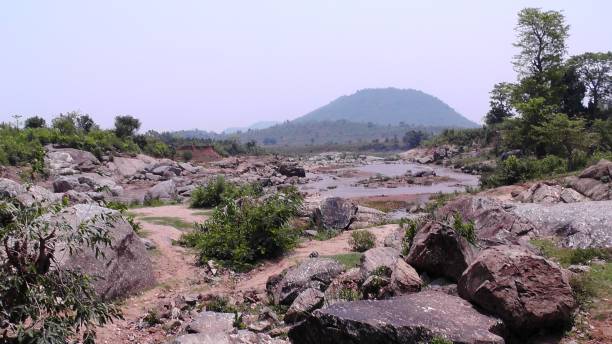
177	274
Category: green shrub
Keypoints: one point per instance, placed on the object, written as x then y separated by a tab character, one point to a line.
516	170
362	240
465	229
218	190
238	234
410	227
220	304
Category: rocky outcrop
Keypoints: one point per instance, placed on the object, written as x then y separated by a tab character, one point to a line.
527	291
291	170
494	221
124	268
211	322
165	191
413	318
316	273
374	258
67	161
308	300
26	195
440	251
367	217
335	213
384	274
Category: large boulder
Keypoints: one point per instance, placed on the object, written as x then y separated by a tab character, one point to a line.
291	170
124	267
374	258
494	222
390	275
592	188
413	318
211	322
308	300
165	191
541	193
440	251
316	273
599	171
61	161
527	291
335	213
27	195
581	224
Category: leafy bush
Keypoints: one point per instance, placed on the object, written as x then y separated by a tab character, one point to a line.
39	303
218	190
516	170
238	234
362	240
410	227
465	229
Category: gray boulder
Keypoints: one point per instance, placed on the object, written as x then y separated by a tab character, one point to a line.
440	251
164	191
211	322
27	195
308	300
291	170
125	267
314	273
70	161
529	292
335	213
408	319
374	258
599	171
592	188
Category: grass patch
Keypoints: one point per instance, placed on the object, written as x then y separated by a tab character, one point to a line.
570	256
385	206
349	260
175	222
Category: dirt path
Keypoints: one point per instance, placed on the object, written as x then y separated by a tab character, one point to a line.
177	274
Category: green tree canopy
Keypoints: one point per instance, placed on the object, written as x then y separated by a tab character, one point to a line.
35	122
126	126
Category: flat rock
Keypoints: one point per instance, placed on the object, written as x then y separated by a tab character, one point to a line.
408	319
211	322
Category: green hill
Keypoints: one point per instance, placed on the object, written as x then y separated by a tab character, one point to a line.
390	106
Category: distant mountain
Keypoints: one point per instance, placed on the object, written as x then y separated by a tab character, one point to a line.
392	106
254	126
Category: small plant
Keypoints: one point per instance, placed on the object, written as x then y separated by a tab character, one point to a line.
440	340
349	294
152	318
410	227
217	190
465	229
362	240
220	304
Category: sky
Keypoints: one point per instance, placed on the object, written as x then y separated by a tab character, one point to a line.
217	64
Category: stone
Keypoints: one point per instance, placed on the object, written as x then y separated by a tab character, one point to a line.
63	160
407	319
335	213
187	167
368	217
440	251
308	300
405	279
67	183
211	322
125	268
202	338
374	258
527	291
591	188
164	191
602	169
347	281
314	273
569	195
291	170
395	239
27	195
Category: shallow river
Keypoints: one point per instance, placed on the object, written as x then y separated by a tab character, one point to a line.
330	185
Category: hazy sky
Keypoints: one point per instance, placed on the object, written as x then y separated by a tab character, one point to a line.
215	64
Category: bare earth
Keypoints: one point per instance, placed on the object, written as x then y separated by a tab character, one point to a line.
177	273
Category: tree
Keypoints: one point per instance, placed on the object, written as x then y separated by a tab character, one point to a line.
500	103
595	71
572	92
560	131
126	126
66	124
35	122
541	40
413	138
41	302
85	123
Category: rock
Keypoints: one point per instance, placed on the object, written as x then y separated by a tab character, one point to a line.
581	224
425	160
395	239
308	300
167	171
130	166
27	195
348	281
413	318
527	291
187	167
165	191
494	222
598	171
125	267
579	269
314	273
335	213
62	161
541	193
67	183
443	285
368	217
591	188
149	244
291	170
376	257
211	322
260	326
97	182
428	172
405	279
572	196
202	338
440	251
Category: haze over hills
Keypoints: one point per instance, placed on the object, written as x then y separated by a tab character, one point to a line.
390	106
254	126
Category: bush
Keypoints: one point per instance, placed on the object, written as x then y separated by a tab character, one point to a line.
39	303
465	229
410	227
362	240
238	234
218	190
516	170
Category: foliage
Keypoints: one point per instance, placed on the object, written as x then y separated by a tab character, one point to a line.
187	155
439	340
500	103
126	126
595	72
561	132
220	304
35	122
516	170
40	303
410	227
218	190
571	256
362	240
464	228
240	233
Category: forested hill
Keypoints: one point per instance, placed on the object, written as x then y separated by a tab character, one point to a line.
390	106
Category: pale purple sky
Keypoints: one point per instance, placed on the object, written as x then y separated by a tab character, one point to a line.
217	64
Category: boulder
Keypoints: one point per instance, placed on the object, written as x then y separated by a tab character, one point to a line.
581	224
572	196
291	170
541	193
62	161
346	282
27	195
413	318
308	300
67	183
187	167
405	279
591	188
599	171
395	239
527	291
167	171
164	191
314	273
440	251
211	322
124	268
494	221
335	213
374	258
129	166
367	217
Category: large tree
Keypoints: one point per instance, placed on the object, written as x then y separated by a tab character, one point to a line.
126	126
500	103
595	71
541	39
